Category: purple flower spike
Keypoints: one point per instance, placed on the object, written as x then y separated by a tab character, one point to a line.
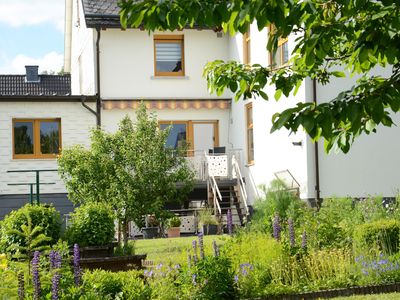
21	286
37	291
55	286
291	232
201	245
304	240
194	245
276	226
229	221
236	278
55	259
215	248
77	268
194	279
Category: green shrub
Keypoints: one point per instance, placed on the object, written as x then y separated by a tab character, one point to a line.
382	235
43	215
211	278
92	224
277	199
121	285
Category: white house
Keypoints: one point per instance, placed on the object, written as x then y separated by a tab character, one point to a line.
119	68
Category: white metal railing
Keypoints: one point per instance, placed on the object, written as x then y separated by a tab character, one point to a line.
216	194
241	183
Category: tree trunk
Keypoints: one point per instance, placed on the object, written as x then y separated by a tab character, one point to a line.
125	232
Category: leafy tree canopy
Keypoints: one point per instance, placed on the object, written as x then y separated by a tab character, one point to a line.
354	36
131	170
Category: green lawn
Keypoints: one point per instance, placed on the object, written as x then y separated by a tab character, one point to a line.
174	250
392	296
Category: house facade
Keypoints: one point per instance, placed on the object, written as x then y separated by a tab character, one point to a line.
112	70
38	117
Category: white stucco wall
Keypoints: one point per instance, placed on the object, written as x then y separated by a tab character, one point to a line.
127	64
83	59
111	118
371	166
75	124
273	152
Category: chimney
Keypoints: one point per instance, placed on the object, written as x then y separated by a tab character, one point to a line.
32	73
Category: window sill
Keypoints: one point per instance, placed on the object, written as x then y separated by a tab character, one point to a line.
249	164
33	159
168	77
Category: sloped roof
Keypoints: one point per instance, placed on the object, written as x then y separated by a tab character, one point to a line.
48	85
101	13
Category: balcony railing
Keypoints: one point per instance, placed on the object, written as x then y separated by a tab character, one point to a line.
215	164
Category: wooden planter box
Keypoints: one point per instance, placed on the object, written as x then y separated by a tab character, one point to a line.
150	232
95	251
212	229
174	232
114	264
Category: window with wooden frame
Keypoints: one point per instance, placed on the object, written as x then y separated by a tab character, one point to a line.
246	47
169	55
281	55
36	138
249	133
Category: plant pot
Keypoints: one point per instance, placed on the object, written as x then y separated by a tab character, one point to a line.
174	232
150	232
209	229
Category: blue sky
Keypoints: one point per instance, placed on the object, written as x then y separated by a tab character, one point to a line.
31	32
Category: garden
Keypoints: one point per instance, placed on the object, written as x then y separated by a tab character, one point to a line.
287	247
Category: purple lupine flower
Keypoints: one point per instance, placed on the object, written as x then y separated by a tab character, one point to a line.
177	266
194	245
21	286
291	232
194	279
55	259
276	226
215	248
201	245
304	240
77	267
236	278
229	221
159	266
55	286
35	276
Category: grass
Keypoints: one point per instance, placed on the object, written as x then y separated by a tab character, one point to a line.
391	296
174	250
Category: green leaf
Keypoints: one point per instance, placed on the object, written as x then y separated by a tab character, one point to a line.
278	94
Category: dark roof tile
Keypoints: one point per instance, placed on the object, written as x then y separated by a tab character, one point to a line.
48	85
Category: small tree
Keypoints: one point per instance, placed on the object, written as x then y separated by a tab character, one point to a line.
130	169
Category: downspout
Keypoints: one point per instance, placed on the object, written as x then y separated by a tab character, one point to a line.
98	94
83	101
316	154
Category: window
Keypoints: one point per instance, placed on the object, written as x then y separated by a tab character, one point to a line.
178	136
168	55
281	56
36	138
246	47
249	129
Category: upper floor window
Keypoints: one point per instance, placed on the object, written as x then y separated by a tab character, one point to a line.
168	55
36	138
246	47
249	133
281	55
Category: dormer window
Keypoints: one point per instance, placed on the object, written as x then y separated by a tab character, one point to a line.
168	55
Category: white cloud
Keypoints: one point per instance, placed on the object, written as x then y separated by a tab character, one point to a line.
32	12
51	61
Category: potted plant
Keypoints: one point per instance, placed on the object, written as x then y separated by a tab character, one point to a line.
208	221
174	229
151	229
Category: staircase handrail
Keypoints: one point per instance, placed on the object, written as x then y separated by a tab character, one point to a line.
216	194
241	183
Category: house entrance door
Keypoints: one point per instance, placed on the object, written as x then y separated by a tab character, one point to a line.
204	136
